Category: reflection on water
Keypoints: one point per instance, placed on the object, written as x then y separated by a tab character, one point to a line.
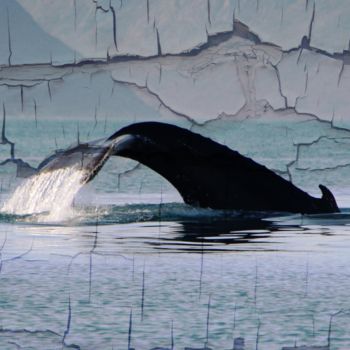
82	282
176	227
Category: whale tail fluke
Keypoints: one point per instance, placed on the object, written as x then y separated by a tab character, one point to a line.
205	173
328	201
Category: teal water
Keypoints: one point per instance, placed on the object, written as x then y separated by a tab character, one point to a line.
183	276
288	273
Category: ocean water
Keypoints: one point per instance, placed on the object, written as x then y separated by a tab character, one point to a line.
123	263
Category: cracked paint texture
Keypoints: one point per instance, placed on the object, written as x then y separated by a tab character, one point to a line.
268	78
74	30
225	69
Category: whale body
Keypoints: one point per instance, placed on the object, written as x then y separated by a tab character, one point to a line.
207	174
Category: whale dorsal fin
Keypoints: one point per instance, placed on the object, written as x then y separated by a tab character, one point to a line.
328	200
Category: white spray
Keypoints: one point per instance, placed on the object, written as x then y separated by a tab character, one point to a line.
50	192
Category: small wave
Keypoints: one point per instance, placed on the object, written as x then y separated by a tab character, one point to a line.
135	213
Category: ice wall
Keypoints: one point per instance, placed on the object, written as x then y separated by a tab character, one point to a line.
269	78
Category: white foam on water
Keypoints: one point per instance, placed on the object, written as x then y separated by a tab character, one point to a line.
51	193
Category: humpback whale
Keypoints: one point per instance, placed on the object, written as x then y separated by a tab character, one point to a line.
207	174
